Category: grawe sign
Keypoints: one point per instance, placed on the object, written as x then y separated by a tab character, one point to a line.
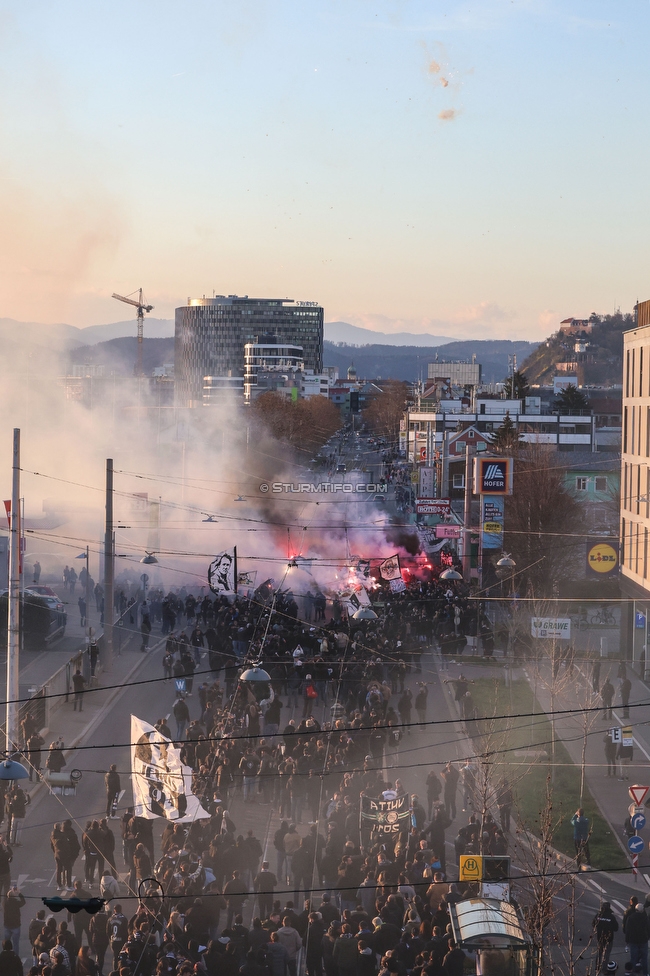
558	628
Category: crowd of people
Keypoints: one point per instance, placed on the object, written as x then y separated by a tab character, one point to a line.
339	900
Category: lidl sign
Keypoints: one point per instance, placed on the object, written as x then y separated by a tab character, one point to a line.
602	558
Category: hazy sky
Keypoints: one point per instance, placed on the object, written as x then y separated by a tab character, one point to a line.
468	169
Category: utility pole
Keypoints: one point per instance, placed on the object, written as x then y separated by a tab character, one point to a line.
13	617
467	517
109	567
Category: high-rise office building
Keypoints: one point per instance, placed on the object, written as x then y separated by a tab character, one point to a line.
211	334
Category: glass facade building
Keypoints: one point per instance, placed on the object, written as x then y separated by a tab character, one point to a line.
211	333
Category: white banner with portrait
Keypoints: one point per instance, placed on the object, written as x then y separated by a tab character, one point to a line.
162	784
222	572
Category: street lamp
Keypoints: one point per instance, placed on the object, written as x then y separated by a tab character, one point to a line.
10	770
506	562
451	574
149	559
364	613
258	682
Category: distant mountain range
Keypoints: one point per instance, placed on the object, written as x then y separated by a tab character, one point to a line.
63	336
30	345
354	335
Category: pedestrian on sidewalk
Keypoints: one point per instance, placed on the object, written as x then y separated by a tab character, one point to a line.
434	790
113	789
13	903
637	932
450	777
71	849
607	695
34	745
17	803
625	689
182	716
595	676
605	926
145	630
78	683
6	856
610	754
55	759
581	833
82	611
625	754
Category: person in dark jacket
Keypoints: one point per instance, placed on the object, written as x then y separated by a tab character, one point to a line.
313	943
637	933
12	906
55	759
113	789
34	745
276	956
605	926
454	962
71	848
345	953
10	962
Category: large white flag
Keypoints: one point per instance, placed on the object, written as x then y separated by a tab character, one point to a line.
162	784
222	572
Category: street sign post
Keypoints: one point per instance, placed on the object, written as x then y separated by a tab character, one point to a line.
635	844
180	685
616	735
638	793
470	867
638	821
633	809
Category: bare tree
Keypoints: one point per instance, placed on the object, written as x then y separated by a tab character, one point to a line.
387	409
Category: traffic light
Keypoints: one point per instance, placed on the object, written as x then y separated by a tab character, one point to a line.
74	905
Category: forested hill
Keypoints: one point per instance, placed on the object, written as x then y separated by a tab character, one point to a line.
601	362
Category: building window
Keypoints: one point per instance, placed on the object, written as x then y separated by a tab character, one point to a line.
601	484
581	484
459	481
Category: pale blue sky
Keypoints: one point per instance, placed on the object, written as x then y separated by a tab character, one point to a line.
302	150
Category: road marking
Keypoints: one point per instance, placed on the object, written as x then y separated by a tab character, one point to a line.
620	906
647	879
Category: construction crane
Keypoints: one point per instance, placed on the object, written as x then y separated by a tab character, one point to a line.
142	308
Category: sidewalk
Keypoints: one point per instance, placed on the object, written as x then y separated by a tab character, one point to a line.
610	793
74	726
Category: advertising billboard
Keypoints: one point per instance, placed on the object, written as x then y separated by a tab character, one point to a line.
492	476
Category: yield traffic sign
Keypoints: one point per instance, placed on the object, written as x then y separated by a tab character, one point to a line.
638	793
635	844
